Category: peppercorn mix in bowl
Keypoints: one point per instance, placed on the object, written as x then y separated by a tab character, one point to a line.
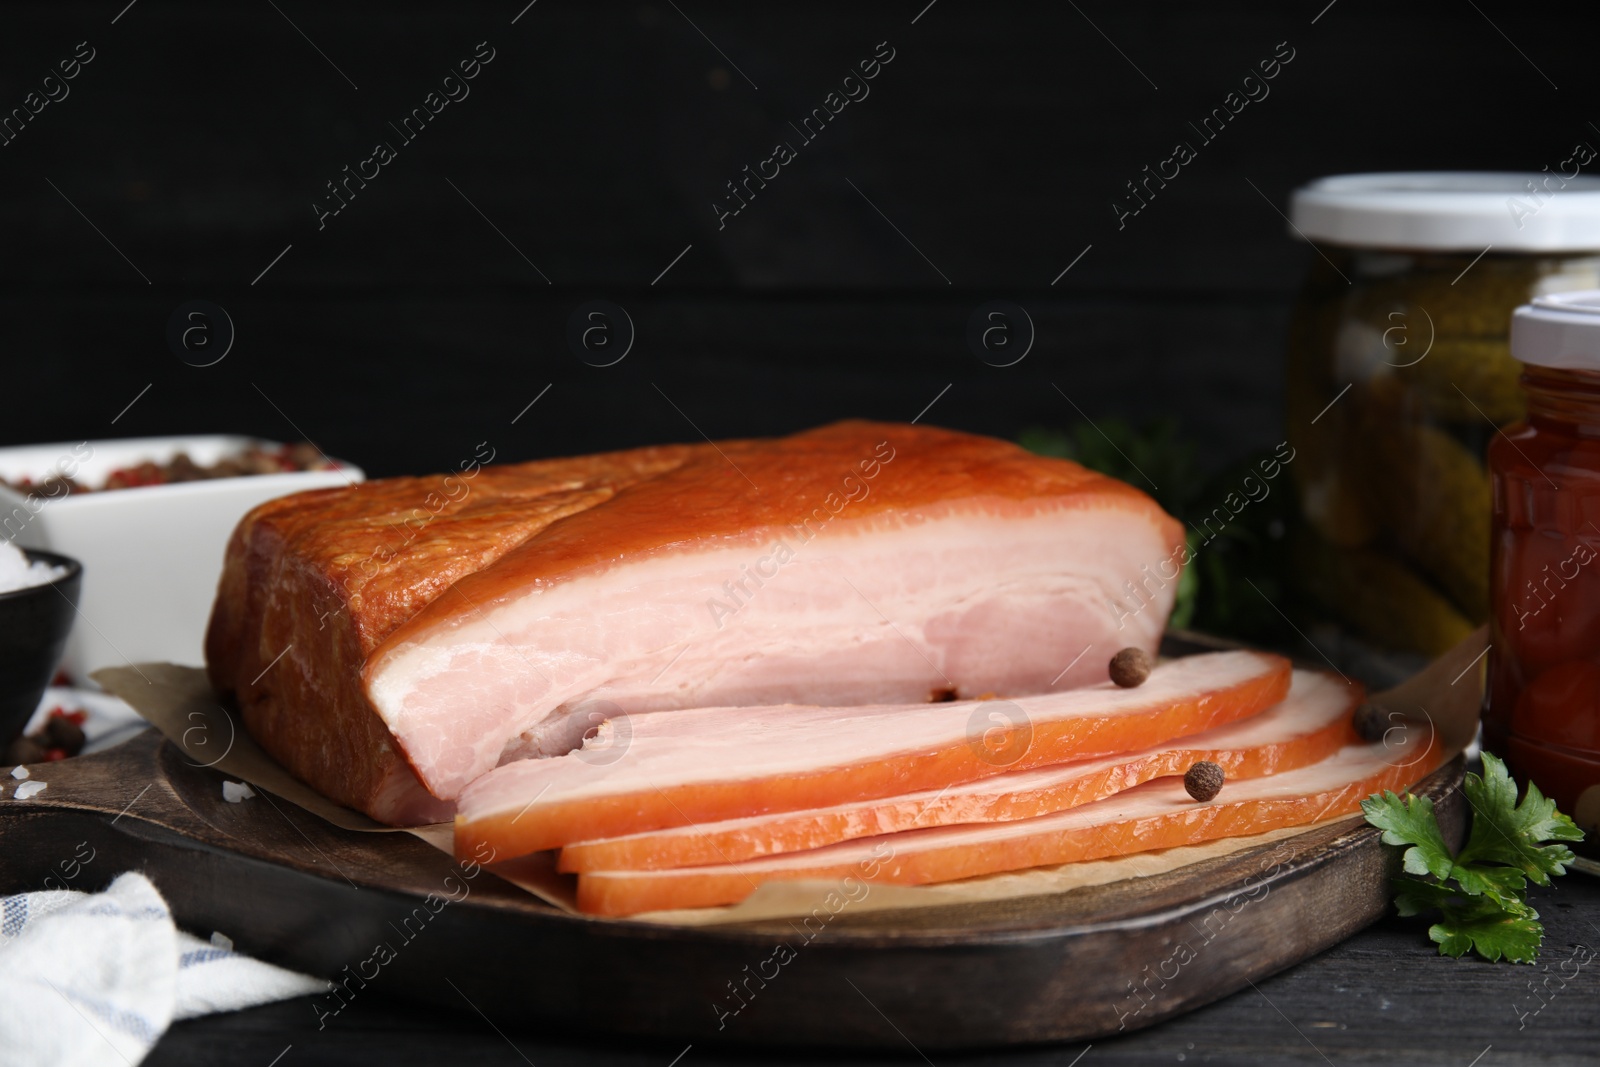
150	519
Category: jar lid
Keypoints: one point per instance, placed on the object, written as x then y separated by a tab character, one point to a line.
1560	330
1455	211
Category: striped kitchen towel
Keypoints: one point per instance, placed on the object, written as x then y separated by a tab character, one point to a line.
95	978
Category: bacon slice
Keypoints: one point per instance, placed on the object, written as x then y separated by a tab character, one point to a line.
1155	815
1310	724
712	764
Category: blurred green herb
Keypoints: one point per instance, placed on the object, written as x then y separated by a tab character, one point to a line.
1236	526
1154	458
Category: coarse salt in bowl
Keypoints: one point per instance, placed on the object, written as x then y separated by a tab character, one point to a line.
18	572
38	604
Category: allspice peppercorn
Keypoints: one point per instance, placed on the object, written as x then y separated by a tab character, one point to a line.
1371	721
23	750
61	732
1130	667
1204	780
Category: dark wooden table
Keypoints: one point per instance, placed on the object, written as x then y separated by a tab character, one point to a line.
1382	997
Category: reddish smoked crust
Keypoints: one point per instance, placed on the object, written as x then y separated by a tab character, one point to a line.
632	892
805	830
542	826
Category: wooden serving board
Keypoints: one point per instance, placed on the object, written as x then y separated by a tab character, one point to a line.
295	890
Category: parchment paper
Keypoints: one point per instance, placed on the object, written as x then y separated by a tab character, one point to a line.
179	702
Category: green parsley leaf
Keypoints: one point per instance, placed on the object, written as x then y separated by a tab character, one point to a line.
1410	821
1413	896
1480	894
1494	932
1504	831
1503	885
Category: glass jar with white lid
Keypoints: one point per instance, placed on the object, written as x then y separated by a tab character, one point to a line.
1399	374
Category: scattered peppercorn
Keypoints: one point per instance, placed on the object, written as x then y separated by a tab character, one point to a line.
181	468
59	737
1204	780
1130	667
1371	721
62	733
23	750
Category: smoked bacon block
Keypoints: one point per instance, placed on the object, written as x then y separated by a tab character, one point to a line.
429	629
709	764
1312	722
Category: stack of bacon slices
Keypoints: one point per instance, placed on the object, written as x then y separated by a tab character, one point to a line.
700	807
829	654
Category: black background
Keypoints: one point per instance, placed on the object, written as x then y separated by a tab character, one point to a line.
408	330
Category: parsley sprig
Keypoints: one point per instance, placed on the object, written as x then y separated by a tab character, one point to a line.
1481	892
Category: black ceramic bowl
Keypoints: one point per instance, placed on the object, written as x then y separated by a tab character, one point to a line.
34	624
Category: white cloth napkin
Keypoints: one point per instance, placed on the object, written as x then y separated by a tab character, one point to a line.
88	979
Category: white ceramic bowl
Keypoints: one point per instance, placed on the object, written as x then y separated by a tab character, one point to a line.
152	555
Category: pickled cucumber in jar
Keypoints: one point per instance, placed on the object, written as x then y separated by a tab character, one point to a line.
1399	375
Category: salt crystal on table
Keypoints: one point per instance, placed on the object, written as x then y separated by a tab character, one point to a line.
233	792
29	789
19	771
222	941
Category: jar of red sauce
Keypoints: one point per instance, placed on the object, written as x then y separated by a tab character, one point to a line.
1543	703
